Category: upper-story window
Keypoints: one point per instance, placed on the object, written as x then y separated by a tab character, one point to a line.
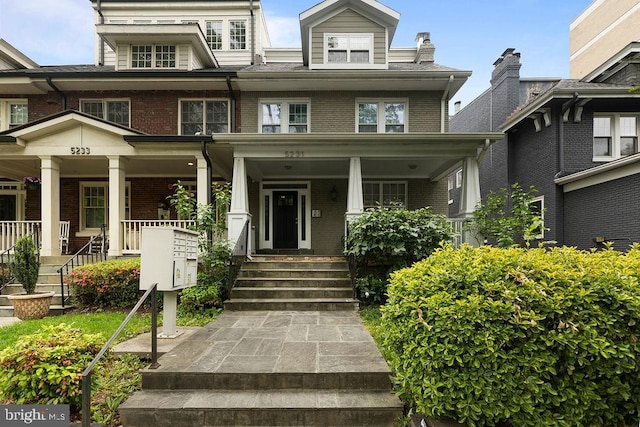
204	117
153	56
214	34
348	48
614	136
13	112
113	110
284	117
237	35
381	116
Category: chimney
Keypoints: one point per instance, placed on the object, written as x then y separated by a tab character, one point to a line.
426	50
508	65
505	87
456	107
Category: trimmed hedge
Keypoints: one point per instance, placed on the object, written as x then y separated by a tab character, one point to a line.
104	284
518	337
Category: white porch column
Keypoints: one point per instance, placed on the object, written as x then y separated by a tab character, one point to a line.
50	205
116	203
471	196
201	180
239	210
355	199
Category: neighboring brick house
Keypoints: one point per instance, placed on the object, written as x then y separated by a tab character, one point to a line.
309	137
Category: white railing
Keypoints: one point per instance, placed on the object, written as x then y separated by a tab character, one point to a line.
458	229
133	228
11	231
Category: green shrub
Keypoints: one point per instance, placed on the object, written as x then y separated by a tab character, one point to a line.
6	276
371	289
523	337
112	283
25	263
46	367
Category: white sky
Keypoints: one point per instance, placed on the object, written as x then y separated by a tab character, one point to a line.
468	34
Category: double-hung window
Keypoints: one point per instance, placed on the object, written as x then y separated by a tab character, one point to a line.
153	56
113	110
536	206
614	136
349	48
13	113
284	116
237	35
381	116
384	194
204	117
214	34
94	204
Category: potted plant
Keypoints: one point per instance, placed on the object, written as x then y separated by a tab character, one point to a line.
32	182
25	267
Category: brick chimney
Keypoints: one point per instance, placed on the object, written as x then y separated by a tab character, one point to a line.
505	86
426	50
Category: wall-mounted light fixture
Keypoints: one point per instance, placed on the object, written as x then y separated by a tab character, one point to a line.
163	204
334	194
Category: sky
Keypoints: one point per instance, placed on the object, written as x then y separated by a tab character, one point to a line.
468	34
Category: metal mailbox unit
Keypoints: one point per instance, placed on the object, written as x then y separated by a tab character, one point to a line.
168	257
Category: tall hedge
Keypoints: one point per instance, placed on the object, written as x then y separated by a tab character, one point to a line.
518	337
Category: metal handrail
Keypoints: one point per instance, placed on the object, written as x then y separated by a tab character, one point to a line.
82	257
238	256
86	374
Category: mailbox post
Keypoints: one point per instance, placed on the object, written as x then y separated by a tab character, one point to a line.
169	257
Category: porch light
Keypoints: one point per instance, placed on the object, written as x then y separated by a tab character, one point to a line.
162	204
334	194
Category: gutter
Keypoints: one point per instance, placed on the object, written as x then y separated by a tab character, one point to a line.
443	101
253	33
59	92
99	9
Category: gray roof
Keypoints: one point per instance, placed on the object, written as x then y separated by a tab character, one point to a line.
393	66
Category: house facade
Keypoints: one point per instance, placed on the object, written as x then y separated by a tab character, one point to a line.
308	137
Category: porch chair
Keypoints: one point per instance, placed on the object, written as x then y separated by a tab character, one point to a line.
64	236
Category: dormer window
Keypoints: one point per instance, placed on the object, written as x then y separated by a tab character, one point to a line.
349	48
153	56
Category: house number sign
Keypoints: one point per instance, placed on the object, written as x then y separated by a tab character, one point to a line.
79	151
293	154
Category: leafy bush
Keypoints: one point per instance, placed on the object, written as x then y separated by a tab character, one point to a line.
113	283
25	263
371	289
522	337
46	367
395	237
6	276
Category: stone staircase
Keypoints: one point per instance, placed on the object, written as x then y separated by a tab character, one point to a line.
301	283
289	350
48	280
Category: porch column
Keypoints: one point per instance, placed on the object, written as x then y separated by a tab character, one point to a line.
239	210
355	200
116	203
202	181
471	196
50	205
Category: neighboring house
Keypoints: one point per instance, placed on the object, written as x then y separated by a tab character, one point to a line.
576	141
309	137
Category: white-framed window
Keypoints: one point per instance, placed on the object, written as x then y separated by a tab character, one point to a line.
237	35
450	186
459	178
348	48
94	204
204	116
614	136
385	194
153	56
284	116
381	116
113	110
213	32
537	207
13	112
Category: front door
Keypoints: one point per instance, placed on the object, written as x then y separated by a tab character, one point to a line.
7	207
285	219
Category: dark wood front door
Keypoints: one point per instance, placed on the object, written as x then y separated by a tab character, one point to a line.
7	207
285	219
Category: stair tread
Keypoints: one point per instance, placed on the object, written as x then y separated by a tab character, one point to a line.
294	288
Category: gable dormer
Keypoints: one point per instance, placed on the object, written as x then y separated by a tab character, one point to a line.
12	59
347	34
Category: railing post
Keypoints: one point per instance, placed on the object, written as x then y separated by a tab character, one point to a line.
154	328
86	400
62	286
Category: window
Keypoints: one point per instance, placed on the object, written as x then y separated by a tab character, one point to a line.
94	204
349	48
237	35
13	113
614	136
459	178
152	56
450	188
204	117
113	110
214	34
385	194
537	208
381	117
284	117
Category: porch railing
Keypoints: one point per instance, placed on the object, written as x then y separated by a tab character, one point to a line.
132	230
11	231
457	224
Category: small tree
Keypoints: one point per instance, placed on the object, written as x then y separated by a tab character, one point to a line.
25	264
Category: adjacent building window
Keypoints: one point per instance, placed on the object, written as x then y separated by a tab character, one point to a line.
450	188
13	113
214	34
204	117
381	117
237	35
113	110
459	178
349	48
284	117
384	194
537	208
153	56
94	204
614	136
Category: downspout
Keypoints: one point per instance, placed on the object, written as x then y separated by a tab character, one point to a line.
233	105
99	9
483	150
445	99
59	92
253	33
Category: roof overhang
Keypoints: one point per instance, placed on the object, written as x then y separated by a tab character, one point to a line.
629	54
14	57
610	171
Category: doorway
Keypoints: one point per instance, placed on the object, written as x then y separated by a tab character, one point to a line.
285	219
8	210
285	215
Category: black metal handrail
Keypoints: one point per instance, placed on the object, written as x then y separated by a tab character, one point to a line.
86	374
84	256
238	256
